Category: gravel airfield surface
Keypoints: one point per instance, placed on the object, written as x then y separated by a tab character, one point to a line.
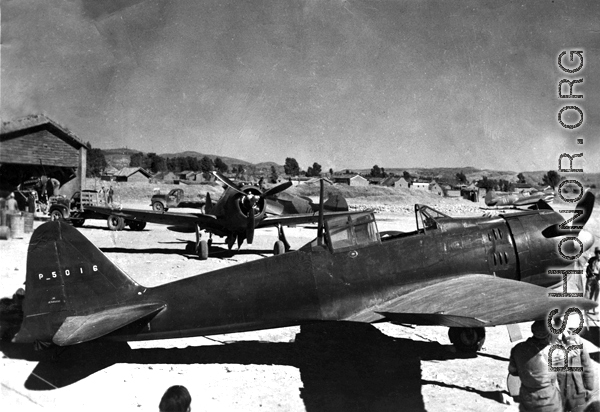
348	367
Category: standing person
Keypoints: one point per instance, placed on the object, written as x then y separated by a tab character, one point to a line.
109	198
176	399
529	361
11	203
101	196
592	273
578	389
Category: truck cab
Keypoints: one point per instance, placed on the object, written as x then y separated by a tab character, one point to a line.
162	202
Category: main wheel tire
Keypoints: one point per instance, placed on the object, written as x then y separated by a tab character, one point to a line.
467	339
115	222
137	225
279	248
77	222
158	207
203	250
56	214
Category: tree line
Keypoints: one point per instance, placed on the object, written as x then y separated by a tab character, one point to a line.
97	164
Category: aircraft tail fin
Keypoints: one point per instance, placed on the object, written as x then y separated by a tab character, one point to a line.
67	277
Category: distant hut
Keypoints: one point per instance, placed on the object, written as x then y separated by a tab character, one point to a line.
133	174
351	180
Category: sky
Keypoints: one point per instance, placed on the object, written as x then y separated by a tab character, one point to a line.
346	84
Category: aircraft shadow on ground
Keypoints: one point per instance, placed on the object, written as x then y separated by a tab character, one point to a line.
343	366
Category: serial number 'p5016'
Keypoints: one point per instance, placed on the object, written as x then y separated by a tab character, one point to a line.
67	272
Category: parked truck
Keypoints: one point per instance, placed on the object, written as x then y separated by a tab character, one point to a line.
75	211
161	202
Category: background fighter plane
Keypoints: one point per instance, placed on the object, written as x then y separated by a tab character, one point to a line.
465	273
237	213
493	198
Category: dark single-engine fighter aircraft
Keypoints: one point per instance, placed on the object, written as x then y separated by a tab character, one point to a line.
493	198
464	273
237	213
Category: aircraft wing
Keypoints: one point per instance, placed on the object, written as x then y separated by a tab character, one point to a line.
293	220
205	221
472	301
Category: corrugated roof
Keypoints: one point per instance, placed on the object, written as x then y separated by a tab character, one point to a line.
36	120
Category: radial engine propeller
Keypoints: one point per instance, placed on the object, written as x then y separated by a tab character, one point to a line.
251	200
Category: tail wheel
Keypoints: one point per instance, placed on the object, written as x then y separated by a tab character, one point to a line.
467	339
158	207
56	214
115	222
279	248
203	250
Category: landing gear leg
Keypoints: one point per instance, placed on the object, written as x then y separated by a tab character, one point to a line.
230	241
282	238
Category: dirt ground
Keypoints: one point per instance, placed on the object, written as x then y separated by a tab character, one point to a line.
357	368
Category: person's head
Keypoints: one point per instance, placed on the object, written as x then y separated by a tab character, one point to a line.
11	196
176	399
540	330
597	251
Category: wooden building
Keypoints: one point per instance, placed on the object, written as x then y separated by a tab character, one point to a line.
35	146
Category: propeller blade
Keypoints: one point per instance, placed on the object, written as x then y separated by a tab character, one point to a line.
227	182
250	226
586	205
276	189
208	205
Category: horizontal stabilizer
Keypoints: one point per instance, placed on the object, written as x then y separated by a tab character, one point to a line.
474	301
84	328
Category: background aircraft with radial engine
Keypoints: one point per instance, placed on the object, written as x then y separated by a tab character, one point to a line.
237	214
